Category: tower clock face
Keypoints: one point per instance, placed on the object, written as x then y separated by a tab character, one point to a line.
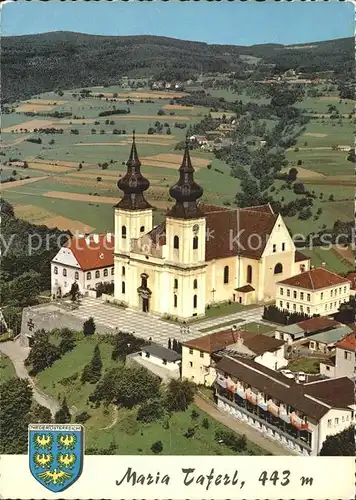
195	228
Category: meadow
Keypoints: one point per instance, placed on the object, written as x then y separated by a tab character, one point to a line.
68	185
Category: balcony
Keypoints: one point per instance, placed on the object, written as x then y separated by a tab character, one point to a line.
262	403
284	415
221	381
271	429
241	392
251	396
273	408
298	422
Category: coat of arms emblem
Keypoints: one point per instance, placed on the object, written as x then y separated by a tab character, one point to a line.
56	454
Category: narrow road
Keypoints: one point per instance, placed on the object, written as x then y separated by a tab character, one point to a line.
253	435
17	355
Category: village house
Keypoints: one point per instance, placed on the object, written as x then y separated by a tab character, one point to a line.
86	260
199	355
345	359
317	291
325	341
163	362
298	416
298	331
200	139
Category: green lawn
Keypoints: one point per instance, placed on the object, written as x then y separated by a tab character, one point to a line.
7	369
225	308
307	365
220	325
120	428
259	327
332	260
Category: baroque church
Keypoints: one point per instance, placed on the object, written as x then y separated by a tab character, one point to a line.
200	254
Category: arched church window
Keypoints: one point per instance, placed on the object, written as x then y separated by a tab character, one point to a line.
55	270
176	242
176	284
123	232
175	300
97	274
123	271
278	269
106	272
249	274
195	301
195	242
89	275
123	287
142	229
195	284
226	274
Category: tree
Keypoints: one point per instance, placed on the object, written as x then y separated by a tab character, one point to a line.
74	291
127	387
331	197
341	444
40	414
150	411
92	371
16	401
179	394
25	288
63	416
89	326
168	131
67	342
126	343
205	423
43	354
292	174
157	447
175	344
298	188
51	142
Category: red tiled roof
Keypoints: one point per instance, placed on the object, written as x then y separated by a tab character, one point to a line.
223	226
352	277
218	341
348	342
299	256
92	254
314	325
315	279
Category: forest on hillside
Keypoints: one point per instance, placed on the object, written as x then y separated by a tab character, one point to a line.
32	64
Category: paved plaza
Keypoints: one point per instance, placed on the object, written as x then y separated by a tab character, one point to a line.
149	326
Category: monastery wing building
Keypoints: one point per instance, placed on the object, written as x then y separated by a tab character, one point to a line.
200	254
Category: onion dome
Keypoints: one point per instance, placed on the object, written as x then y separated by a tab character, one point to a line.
186	191
133	184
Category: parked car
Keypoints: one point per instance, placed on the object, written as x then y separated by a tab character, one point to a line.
300	377
287	373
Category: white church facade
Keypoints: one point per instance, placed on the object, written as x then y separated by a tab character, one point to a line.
200	254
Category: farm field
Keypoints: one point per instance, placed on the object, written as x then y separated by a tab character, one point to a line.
68	186
66	164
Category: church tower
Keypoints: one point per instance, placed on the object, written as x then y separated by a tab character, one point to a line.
133	218
185	237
